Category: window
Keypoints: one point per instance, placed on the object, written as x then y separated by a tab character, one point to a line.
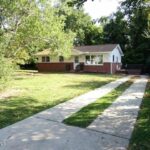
87	59
45	59
76	59
61	59
113	58
94	59
100	59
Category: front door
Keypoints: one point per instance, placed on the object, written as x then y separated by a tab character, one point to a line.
76	62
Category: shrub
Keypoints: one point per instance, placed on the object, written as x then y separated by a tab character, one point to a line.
6	70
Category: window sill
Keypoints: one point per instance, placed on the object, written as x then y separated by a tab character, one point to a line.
44	62
93	64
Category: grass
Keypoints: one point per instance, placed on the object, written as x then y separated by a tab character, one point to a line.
42	91
140	139
90	112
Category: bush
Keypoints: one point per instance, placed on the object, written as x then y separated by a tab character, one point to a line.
6	70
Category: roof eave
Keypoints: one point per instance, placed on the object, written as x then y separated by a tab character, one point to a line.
121	52
96	52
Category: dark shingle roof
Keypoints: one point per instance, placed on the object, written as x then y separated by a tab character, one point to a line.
85	49
97	48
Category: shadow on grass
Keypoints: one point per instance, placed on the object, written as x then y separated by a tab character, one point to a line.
15	109
87	115
90	84
18	108
90	112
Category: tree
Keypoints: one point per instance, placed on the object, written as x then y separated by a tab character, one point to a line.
29	26
80	23
78	3
137	13
94	35
116	30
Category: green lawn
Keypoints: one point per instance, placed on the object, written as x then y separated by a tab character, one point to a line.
141	135
87	114
42	91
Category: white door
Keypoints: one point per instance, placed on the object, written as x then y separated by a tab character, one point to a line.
76	61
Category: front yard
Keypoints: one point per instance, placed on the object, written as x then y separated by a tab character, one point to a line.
41	91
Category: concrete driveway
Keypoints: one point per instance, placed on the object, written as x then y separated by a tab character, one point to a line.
45	133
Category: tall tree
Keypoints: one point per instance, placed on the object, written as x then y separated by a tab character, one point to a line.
116	30
28	26
94	35
137	13
80	23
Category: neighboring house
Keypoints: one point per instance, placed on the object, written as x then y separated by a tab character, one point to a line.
97	58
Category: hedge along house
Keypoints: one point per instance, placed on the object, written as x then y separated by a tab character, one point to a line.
105	58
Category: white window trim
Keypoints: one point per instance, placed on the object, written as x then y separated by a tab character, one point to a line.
93	64
90	59
45	59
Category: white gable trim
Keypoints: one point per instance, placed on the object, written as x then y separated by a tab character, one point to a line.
120	50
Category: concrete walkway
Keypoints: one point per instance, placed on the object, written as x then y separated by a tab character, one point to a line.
120	117
37	133
64	110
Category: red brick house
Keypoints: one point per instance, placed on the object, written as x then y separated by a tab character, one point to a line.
96	58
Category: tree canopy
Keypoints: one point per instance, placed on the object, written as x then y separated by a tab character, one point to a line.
29	26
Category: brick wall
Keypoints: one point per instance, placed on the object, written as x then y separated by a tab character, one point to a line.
114	67
54	67
63	67
105	68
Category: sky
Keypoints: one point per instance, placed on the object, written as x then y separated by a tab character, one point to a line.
99	8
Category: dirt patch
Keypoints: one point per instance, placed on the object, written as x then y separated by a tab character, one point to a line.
10	93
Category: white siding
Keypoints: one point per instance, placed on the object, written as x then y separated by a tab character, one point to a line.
116	54
107	57
56	59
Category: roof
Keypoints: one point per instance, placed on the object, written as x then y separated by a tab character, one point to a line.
76	52
87	49
43	53
97	48
47	52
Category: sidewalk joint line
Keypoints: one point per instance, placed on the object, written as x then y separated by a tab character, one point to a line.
82	128
47	119
108	134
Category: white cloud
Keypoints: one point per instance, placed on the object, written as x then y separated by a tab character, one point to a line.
99	8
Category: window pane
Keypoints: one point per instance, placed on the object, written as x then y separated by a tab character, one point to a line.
76	59
100	59
43	59
87	59
113	58
93	59
47	59
61	58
